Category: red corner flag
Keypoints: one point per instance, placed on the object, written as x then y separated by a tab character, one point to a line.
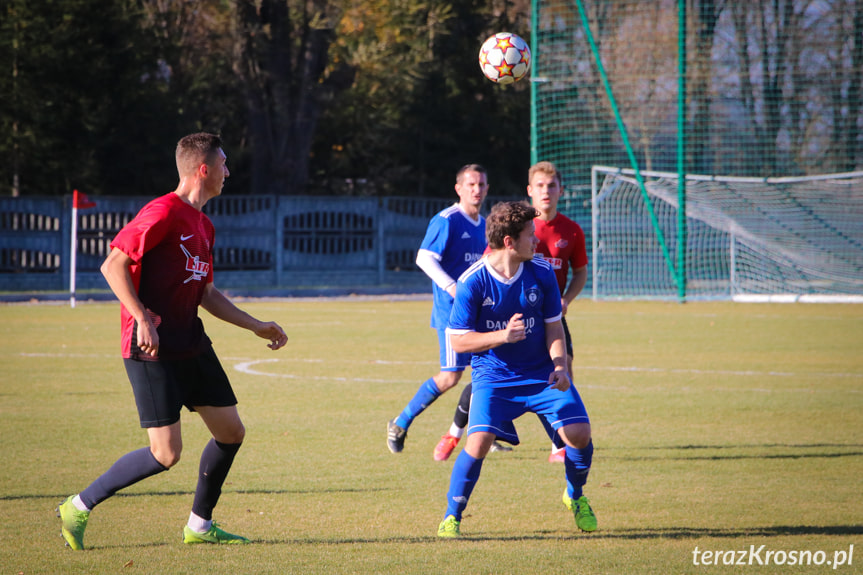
81	201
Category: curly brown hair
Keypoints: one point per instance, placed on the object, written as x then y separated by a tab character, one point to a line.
507	219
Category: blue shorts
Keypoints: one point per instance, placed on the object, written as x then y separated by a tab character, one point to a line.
450	360
492	409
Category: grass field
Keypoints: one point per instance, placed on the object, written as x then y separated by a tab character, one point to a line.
718	427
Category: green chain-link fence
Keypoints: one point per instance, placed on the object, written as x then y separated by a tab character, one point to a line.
731	87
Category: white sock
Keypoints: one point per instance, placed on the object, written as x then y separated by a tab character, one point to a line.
79	505
456	431
199	524
555	449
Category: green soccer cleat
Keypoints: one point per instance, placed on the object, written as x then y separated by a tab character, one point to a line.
449	528
74	523
584	517
213	535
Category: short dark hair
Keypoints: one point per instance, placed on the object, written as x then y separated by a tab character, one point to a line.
469	168
507	219
196	149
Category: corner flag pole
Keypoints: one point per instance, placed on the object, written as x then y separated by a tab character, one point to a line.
79	200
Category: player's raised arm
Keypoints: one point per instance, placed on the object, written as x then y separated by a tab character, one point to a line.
221	307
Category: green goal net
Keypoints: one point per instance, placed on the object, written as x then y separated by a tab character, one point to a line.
749	239
744	89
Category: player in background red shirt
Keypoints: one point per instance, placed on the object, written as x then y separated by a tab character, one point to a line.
160	268
562	244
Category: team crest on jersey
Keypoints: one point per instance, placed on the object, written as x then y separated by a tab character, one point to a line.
194	264
561	243
532	296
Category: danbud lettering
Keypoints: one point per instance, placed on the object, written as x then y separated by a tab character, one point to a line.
760	555
471	258
491	325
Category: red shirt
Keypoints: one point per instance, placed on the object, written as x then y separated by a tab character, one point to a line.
561	243
170	243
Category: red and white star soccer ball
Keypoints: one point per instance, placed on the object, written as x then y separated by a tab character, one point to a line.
504	58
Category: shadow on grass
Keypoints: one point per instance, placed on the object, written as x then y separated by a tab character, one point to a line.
691	452
225	492
761	451
757	451
741	456
606	534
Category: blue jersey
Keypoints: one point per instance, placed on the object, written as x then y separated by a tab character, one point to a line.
456	241
485	301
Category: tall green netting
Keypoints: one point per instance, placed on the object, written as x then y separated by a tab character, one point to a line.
771	89
749	239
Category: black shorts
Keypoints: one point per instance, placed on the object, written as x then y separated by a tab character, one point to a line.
163	387
567	338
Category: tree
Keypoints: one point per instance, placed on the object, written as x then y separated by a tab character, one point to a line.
280	55
705	14
80	103
414	106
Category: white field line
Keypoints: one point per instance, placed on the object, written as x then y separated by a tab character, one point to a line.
718	372
251	368
246	366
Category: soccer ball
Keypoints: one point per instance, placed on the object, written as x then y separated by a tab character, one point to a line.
504	58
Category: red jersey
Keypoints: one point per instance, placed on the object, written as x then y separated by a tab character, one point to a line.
561	243
170	243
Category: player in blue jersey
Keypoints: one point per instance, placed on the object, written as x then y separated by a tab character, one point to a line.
454	240
507	313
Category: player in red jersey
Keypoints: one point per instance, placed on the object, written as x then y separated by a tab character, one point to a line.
561	240
160	268
562	244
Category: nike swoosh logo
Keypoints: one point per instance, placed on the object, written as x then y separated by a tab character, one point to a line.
184	238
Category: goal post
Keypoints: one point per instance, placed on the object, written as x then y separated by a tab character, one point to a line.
748	239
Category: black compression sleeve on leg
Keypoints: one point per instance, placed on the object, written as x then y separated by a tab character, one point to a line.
216	462
461	412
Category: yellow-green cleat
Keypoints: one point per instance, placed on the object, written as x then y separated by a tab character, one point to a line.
449	528
584	516
567	500
213	535
74	523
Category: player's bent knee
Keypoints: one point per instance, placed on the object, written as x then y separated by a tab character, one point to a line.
167	457
479	444
576	435
237	435
447	380
232	435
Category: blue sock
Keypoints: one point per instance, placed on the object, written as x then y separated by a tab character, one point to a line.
129	469
577	464
465	474
425	396
216	461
